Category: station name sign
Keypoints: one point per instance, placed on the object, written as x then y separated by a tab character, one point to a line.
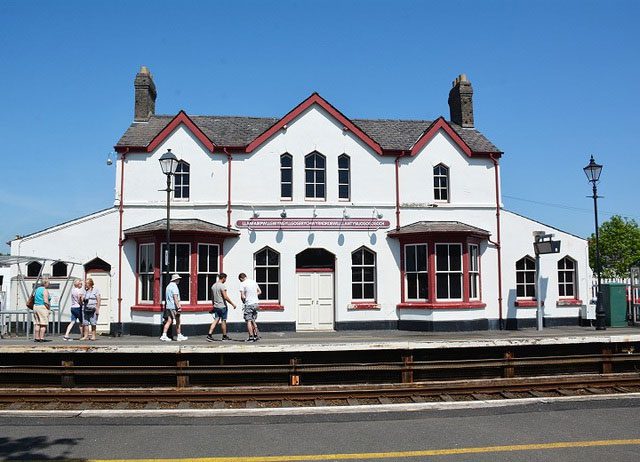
312	224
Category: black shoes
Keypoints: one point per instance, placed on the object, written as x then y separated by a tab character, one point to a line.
210	338
226	337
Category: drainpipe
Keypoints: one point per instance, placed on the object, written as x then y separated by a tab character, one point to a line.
398	189
498	242
229	189
120	242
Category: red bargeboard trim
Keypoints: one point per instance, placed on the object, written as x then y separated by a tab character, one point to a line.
181	118
315	98
440	305
440	124
184	309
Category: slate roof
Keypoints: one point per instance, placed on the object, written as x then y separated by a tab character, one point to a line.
427	227
240	131
190	225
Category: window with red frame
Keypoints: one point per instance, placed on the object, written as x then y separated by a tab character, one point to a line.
415	269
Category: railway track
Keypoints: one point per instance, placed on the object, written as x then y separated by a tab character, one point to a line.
309	396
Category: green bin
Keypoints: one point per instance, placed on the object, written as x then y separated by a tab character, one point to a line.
614	300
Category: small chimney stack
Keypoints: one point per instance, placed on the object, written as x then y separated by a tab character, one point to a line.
461	102
145	95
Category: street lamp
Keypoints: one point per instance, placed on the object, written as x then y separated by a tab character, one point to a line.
593	171
169	165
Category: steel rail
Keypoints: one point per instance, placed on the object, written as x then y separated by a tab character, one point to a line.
327	392
301	368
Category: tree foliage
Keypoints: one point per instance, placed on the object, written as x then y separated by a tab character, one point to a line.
619	246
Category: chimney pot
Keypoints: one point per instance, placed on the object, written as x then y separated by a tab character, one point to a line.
145	95
461	102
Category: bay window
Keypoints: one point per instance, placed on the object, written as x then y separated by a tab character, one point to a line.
415	263
208	260
146	268
449	271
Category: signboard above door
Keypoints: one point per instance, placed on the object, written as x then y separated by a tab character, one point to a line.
313	224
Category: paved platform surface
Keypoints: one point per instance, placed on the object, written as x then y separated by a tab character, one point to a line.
336	341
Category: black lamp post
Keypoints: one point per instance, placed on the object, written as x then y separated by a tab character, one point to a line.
169	165
593	171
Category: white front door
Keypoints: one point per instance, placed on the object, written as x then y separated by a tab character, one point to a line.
315	301
102	281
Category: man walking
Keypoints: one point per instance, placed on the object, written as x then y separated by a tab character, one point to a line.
249	292
172	309
220	309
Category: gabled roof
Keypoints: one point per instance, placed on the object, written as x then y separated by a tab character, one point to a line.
182	225
439	227
248	133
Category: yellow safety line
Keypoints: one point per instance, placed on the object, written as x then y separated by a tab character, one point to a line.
396	454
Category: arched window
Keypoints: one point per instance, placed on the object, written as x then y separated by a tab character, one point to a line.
33	269
181	181
286	176
526	278
315	176
267	273
567	277
59	270
441	182
363	275
344	177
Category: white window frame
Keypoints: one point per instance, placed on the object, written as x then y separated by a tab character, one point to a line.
282	182
437	186
526	284
315	171
264	285
417	272
474	272
184	180
362	283
449	272
184	299
562	282
141	274
211	276
348	183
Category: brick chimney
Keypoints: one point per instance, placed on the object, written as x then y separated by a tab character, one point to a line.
145	95
461	102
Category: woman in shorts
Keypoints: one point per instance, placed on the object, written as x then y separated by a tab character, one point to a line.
91	310
77	296
41	310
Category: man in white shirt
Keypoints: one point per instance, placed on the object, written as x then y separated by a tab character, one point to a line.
249	291
172	309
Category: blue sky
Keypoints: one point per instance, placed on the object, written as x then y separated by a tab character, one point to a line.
554	82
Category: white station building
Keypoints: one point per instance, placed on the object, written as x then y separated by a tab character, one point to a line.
344	223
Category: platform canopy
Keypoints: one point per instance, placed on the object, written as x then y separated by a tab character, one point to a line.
182	225
439	227
18	260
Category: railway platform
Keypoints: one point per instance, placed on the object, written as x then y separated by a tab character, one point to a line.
287	342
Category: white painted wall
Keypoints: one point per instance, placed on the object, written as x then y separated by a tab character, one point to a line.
256	183
5	287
